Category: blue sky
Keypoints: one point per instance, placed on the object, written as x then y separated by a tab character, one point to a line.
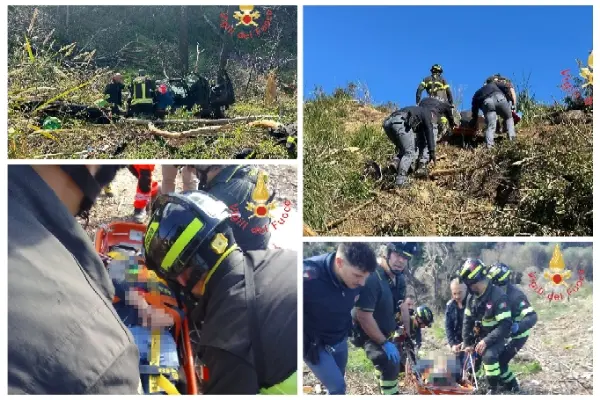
391	48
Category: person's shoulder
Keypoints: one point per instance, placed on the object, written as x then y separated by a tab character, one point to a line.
314	267
374	278
449	303
514	291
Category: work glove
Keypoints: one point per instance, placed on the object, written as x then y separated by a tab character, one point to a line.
513	108
515	328
391	351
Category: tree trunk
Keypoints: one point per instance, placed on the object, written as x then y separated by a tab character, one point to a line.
183	41
226	47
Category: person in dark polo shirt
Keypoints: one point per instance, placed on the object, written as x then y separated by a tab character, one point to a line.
332	283
376	308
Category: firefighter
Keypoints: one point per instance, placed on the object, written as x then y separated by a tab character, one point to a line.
63	334
524	318
332	283
376	308
420	318
488	311
143	192
246	303
436	86
407	128
142	95
234	185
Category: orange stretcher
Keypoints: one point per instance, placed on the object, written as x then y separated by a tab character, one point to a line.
466	132
129	236
417	382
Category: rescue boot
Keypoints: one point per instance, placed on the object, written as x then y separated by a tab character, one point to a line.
394	164
511	386
139	215
421	168
494	385
401	181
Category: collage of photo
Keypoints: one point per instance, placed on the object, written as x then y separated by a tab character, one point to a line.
416	219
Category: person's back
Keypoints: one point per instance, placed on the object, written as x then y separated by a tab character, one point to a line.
114	92
227	311
486	91
64	336
435	85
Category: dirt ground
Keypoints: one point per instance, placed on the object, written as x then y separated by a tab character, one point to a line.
282	179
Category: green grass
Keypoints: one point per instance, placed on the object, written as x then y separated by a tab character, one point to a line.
358	361
551	310
528	368
437	330
140	145
332	176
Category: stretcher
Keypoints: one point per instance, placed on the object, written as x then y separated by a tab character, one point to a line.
126	238
463	130
419	382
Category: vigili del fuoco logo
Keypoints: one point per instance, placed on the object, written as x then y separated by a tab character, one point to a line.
557	283
247	22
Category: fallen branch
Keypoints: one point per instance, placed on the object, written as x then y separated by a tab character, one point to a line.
61	154
523	161
448	171
307	231
190	132
350	213
225	121
51	131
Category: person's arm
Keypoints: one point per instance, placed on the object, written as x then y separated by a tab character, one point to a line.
450	336
474	107
448	114
369	326
467	328
405	313
428	128
418	337
526	318
504	318
514	96
420	89
228	374
448	93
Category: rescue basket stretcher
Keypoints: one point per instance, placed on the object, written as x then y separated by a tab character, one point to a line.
463	130
418	382
128	236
